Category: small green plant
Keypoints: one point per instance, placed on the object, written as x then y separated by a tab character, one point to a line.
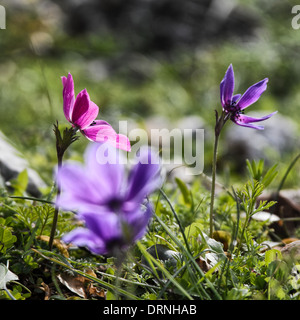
7	239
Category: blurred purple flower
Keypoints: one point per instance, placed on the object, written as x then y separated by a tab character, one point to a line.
235	104
110	203
82	112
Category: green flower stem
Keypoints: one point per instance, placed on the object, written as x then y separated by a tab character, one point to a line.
62	144
56	211
31	198
220	122
213	186
286	174
177	219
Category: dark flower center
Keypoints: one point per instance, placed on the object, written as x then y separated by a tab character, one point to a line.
231	106
236	115
115	204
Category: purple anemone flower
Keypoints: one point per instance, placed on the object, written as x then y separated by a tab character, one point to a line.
235	104
82	112
111	204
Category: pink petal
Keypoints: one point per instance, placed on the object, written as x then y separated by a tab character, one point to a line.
68	96
101	131
85	111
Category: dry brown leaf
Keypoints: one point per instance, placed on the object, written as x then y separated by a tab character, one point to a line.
289	240
95	292
203	264
57	243
76	284
91	273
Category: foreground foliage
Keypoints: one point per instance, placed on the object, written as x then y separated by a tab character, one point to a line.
175	260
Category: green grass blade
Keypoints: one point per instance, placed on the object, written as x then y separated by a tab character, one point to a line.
92	278
191	259
149	257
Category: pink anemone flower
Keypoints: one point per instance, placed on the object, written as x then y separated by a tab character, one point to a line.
82	112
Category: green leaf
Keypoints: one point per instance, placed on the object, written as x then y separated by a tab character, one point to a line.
160	267
272	255
193	230
237	294
217	253
269	176
184	190
23	179
20	183
256	172
6	238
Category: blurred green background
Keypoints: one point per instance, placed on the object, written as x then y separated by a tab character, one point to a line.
144	59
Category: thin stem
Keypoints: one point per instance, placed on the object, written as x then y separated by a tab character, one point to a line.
220	122
213	185
56	211
31	198
236	231
287	173
192	260
62	144
177	219
247	220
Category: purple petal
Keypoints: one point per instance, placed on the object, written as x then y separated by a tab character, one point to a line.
246	121
68	96
222	93
105	166
235	98
252	94
249	125
105	226
144	177
101	131
85	111
227	87
140	221
78	192
90	187
85	238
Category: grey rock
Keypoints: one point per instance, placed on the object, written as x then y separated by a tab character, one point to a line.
12	162
174	139
278	138
163	253
291	251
